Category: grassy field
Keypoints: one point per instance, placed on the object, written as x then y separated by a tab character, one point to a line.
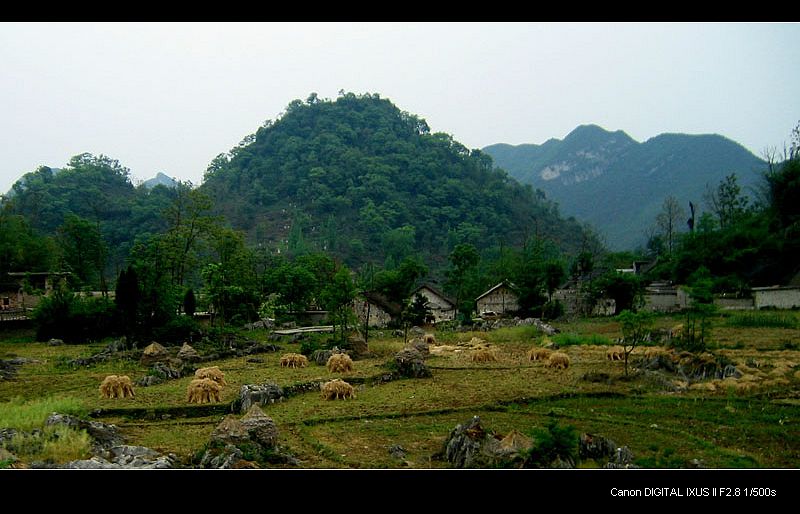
752	421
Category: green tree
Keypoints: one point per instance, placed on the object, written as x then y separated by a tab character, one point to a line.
84	249
727	202
337	298
127	297
462	276
636	328
669	220
189	303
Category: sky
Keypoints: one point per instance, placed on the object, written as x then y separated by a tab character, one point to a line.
169	97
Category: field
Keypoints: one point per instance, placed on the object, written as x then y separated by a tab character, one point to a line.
668	422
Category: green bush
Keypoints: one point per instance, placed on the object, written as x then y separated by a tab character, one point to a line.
554	442
65	315
553	310
177	331
571	339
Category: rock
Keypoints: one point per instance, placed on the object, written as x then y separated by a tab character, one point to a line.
516	442
104	436
149	380
416	331
165	371
188	354
358	345
6	434
601	449
469	446
258	394
224	458
596	447
260	427
255	360
154	353
55	342
127	457
115	346
321	356
410	364
397	451
230	431
420	346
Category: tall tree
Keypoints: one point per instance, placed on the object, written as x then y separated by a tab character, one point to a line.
669	219
727	201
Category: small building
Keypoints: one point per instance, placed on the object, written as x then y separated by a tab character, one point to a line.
777	297
442	307
376	310
501	299
23	290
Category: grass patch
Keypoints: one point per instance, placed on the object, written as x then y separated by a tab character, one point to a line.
23	414
571	339
57	444
764	320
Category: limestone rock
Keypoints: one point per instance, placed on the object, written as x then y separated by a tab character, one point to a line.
258	394
188	354
104	436
55	342
260	427
410	363
153	353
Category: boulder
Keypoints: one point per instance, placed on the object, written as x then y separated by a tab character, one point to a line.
260	427
596	447
188	354
127	457
153	353
55	342
224	458
469	446
416	332
410	363
321	356
230	431
258	394
103	436
358	345
421	346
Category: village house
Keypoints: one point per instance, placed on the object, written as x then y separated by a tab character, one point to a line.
500	299
376	310
442	307
777	297
23	290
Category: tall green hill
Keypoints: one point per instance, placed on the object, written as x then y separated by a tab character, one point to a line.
366	181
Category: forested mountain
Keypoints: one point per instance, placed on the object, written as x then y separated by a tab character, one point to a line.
362	179
617	184
89	210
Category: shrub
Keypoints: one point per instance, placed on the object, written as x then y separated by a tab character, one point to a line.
763	320
177	331
67	316
552	310
554	442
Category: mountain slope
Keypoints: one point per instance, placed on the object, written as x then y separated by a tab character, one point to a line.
617	184
367	181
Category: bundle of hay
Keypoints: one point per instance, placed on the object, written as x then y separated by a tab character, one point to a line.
558	360
615	353
114	386
203	390
429	339
483	355
337	389
340	363
214	373
294	360
539	354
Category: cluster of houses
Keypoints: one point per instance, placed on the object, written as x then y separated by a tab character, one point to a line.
22	291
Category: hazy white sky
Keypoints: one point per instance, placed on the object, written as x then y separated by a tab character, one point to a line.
171	96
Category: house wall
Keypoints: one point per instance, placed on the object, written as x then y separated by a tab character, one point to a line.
441	309
737	304
785	298
500	300
377	316
662	302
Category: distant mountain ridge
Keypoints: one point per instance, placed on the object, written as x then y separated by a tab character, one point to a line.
617	184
